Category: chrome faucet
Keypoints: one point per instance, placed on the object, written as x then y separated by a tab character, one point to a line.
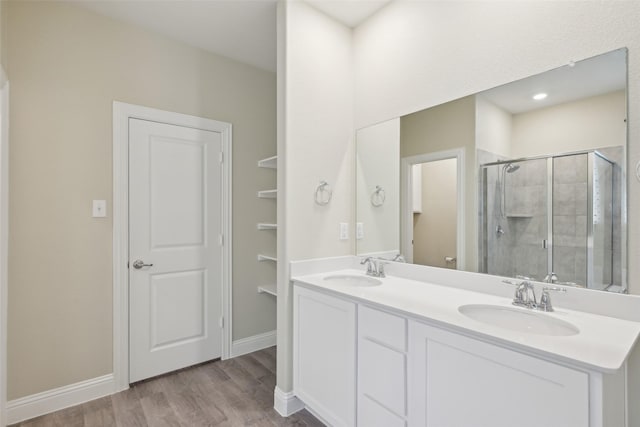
375	266
551	277
525	295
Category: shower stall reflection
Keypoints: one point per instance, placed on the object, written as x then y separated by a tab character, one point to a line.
554	218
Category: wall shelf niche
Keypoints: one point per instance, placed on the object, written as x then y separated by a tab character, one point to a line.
266	226
267	194
268	289
269	162
262	257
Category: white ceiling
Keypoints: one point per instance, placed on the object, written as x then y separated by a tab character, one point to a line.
350	12
244	30
590	77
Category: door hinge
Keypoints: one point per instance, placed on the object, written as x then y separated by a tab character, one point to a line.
221	157
221	322
221	239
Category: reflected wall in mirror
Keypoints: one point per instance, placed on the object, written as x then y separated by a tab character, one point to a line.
377	189
539	182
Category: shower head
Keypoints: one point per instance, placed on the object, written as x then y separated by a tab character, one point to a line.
509	168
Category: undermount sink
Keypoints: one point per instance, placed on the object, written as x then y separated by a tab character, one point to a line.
520	320
353	280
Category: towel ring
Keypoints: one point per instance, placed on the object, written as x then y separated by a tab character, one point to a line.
323	193
378	197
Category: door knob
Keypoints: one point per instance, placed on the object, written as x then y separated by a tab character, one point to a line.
138	264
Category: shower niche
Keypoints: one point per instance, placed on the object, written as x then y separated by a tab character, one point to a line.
554	218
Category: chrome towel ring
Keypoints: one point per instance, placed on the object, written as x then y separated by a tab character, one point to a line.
378	197
323	193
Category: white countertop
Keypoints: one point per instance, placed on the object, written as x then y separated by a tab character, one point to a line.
602	344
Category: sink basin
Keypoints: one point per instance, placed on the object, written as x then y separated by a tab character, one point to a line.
353	280
518	320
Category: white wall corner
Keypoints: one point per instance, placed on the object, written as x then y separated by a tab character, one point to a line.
286	403
56	399
253	343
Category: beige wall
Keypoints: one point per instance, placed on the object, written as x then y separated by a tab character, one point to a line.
446	127
434	229
594	122
4	224
67	66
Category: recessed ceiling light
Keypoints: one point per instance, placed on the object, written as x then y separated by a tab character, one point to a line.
539	96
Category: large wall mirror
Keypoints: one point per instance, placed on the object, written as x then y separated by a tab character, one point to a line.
524	180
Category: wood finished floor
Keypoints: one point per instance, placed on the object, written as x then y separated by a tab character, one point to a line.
234	392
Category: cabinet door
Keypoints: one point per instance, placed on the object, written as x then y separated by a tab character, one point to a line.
324	355
458	381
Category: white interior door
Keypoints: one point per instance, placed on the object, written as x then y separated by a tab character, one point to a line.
174	228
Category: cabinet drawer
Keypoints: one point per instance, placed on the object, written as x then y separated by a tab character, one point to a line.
382	376
382	327
370	414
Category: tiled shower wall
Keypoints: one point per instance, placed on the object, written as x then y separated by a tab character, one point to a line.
570	177
526	213
518	249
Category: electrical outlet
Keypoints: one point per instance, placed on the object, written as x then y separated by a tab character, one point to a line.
344	231
359	230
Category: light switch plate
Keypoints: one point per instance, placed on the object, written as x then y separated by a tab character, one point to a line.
99	208
359	230
344	231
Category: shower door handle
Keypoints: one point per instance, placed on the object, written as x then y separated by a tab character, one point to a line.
545	244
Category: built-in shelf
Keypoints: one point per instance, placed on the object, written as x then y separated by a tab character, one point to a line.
262	257
265	226
268	289
269	162
268	194
519	216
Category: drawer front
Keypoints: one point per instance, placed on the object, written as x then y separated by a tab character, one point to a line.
383	327
382	376
370	414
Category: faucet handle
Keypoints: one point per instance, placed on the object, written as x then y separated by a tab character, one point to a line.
518	297
381	265
545	298
372	265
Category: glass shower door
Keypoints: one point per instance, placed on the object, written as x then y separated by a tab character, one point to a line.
601	234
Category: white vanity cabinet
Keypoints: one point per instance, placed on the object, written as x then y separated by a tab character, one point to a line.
324	355
362	365
460	381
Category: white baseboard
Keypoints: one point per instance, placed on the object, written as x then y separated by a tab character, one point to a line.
49	401
254	343
287	403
